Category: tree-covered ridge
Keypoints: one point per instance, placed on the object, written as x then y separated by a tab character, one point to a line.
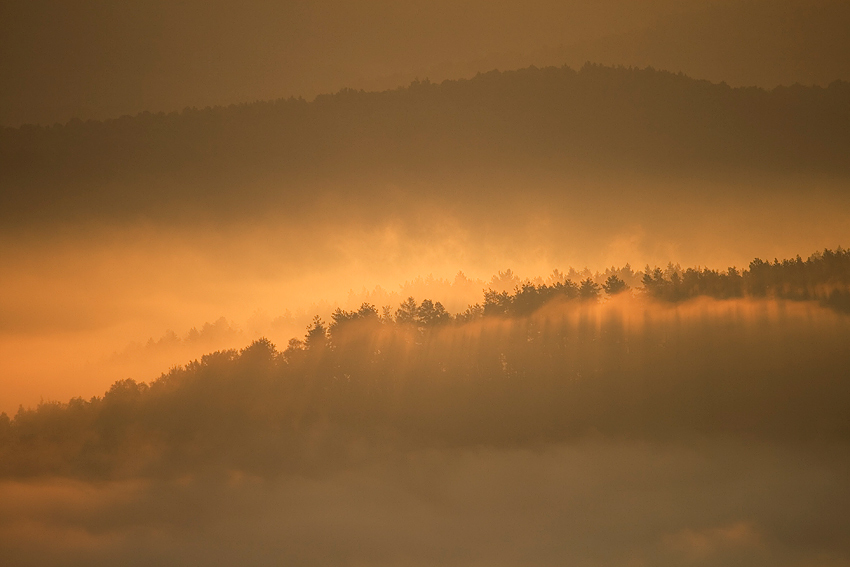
823	277
504	372
556	117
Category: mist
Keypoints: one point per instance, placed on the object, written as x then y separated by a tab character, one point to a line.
711	432
455	283
84	293
716	503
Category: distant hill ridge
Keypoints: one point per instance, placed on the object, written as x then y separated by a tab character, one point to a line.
554	118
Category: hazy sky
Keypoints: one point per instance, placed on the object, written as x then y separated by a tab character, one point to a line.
97	59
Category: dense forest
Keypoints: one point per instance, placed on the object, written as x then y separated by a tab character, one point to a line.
545	363
553	119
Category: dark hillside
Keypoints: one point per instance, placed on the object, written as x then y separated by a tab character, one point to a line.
545	364
552	119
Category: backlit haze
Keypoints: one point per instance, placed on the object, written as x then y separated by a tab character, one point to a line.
86	293
181	178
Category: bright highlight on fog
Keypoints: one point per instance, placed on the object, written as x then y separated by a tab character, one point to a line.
94	298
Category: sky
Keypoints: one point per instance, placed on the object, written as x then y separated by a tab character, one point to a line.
99	59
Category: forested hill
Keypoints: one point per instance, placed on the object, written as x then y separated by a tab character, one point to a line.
556	118
548	363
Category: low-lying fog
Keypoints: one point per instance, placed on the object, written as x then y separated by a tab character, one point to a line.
623	433
87	302
717	502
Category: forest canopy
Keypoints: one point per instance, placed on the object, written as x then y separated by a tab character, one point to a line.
544	363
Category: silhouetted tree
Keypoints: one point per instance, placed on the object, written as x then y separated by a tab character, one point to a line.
430	313
614	285
472	313
589	290
497	303
654	283
504	281
407	313
317	335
